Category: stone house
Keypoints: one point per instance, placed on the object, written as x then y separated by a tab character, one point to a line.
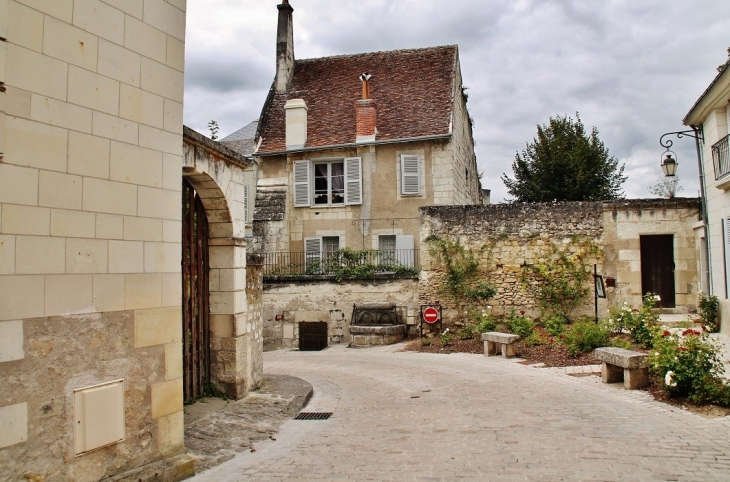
92	177
709	117
351	146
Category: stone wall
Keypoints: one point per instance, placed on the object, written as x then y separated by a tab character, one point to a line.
330	302
90	207
515	236
109	346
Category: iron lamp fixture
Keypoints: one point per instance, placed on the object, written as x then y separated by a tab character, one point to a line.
669	166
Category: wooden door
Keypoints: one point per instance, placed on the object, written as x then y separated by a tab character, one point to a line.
196	306
657	267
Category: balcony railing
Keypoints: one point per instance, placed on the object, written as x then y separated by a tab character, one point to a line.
341	264
721	158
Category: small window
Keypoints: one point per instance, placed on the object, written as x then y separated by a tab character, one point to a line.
330	244
329	183
386	249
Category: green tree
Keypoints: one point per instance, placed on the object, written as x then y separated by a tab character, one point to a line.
564	163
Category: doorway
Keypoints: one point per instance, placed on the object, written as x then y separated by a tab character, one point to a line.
657	268
196	302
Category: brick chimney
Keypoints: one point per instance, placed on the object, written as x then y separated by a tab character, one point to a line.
284	47
365	114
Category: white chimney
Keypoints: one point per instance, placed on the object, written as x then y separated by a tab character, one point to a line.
296	123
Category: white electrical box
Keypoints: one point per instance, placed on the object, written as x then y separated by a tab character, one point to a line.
98	416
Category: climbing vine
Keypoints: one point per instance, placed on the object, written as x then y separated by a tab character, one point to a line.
466	282
564	275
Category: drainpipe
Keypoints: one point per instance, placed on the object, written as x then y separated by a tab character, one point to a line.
703	207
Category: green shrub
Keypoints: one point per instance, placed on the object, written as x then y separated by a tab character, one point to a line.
689	365
467	332
585	336
519	324
425	341
709	306
644	323
539	337
554	323
486	321
619	318
620	343
446	338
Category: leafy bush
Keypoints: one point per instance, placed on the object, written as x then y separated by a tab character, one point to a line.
690	366
709	307
585	336
619	318
446	337
519	324
620	343
486	321
539	337
426	341
644	324
467	332
554	323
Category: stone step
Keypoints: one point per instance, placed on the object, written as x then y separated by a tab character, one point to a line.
679	320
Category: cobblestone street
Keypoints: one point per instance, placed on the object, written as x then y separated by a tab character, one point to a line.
413	416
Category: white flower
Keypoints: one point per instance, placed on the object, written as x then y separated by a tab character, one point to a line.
489	307
668	379
657	297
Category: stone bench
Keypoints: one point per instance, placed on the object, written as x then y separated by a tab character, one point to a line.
506	342
619	365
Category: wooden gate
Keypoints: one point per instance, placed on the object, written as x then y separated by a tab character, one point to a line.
657	267
196	307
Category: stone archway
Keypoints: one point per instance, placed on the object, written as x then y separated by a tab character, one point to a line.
236	341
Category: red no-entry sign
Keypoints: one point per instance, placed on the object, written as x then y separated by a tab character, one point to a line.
430	315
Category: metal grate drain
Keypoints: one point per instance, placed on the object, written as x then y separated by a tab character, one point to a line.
313	416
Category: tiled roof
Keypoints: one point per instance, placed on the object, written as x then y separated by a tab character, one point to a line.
247	132
412	89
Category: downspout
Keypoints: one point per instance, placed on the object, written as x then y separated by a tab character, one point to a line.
703	207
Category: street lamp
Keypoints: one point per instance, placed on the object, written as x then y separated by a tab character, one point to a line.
669	166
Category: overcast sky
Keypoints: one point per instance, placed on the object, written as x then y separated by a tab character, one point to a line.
631	68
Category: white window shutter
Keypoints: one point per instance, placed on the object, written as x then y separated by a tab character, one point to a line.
410	174
404	250
726	239
246	217
312	254
301	183
353	180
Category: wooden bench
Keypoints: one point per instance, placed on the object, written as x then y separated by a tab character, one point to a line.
506	342
619	365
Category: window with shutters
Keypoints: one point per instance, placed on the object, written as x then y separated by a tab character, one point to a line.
328	183
410	175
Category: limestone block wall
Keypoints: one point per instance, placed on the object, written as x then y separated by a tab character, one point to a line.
465	172
90	189
330	302
518	235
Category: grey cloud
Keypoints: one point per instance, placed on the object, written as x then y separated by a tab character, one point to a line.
632	69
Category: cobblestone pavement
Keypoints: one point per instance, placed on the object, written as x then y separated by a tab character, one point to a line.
416	416
216	430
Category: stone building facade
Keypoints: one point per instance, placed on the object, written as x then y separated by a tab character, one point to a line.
351	146
519	235
709	118
91	168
